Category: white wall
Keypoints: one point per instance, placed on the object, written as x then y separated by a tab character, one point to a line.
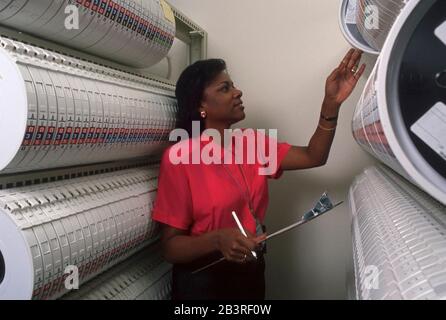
279	53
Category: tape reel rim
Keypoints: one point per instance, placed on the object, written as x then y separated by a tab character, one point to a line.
355	40
12	90
19	271
388	118
2	267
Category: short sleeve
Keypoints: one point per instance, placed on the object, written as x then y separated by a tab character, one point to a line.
173	203
272	153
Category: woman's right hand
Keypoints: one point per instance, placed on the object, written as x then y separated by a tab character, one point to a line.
236	247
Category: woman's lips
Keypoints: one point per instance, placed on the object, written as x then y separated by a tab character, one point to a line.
239	105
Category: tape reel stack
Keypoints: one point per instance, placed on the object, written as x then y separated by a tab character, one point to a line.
103	125
134	33
398	229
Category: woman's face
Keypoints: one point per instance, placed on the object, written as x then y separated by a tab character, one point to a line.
222	102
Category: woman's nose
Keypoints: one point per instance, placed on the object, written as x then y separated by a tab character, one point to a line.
238	93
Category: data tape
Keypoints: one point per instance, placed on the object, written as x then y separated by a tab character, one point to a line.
134	33
91	223
60	111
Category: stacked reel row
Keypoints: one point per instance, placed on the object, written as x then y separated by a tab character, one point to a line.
400	118
61	112
144	276
399	241
398	230
64	111
134	33
91	223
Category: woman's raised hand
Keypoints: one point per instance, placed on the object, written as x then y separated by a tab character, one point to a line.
341	82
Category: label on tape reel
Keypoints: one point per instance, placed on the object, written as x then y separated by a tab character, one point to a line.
350	14
32	124
440	32
431	128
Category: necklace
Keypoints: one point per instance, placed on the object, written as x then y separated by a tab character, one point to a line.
247	195
246	192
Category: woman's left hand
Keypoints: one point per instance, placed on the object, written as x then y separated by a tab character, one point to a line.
341	82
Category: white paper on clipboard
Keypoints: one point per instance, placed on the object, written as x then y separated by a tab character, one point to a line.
431	128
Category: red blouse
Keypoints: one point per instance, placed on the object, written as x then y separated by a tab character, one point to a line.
201	197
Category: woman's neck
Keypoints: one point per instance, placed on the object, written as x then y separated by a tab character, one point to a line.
219	127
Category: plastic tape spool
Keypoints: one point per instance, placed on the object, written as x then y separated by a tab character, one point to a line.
134	33
63	112
144	276
347	24
365	24
46	228
400	118
399	232
375	18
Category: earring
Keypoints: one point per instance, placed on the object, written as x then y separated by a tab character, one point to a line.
203	114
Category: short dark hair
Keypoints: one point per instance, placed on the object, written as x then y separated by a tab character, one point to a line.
190	89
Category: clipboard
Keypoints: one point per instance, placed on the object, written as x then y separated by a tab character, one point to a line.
323	206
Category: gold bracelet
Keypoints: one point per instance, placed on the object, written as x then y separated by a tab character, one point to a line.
326	129
328	118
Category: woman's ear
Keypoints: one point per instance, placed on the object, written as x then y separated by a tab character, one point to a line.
203	113
203	106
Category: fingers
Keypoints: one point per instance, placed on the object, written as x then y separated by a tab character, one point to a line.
240	250
346	59
236	247
247	243
350	59
243	259
354	59
260	238
239	254
359	73
245	246
236	257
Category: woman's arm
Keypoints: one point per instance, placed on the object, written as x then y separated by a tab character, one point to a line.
338	87
318	149
179	247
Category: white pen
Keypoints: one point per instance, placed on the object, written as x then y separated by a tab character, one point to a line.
242	230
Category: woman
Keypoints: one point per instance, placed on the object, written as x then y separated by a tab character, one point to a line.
195	201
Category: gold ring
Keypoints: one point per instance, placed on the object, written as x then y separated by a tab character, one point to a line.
354	69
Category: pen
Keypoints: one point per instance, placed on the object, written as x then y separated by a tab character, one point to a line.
242	230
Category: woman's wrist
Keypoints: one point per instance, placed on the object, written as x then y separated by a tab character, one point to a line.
330	109
215	239
329	115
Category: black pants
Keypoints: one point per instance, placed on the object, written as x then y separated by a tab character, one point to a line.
223	281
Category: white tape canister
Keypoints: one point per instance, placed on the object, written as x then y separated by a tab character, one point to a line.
383	118
16	265
13	108
42	91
